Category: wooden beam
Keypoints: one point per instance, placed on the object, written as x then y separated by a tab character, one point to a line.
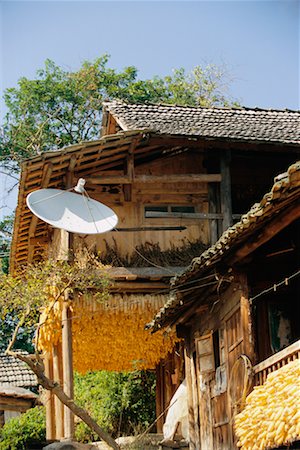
144	272
130	160
186	178
39	241
47	172
201	216
192	311
277	357
246	318
195	399
58	406
138	287
188	358
226	205
279	222
159	401
70	172
49	400
134	229
67	361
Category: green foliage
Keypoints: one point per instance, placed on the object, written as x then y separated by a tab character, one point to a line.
121	403
6	226
28	291
24	339
61	107
24	430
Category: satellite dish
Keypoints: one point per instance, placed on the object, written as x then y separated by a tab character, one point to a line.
71	212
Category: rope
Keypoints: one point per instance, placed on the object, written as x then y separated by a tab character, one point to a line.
273	288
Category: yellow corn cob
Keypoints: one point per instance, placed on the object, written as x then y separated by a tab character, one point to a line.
108	338
272	413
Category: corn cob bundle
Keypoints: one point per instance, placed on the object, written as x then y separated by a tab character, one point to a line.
50	325
272	414
107	338
117	341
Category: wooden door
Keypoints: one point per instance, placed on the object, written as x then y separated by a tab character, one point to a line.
205	367
219	397
234	338
234	347
215	428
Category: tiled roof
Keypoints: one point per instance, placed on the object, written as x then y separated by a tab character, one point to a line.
286	189
16	392
243	124
14	372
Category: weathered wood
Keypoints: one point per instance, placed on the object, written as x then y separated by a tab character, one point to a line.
39	241
47	172
70	182
127	179
49	400
279	222
246	319
213	209
170	215
58	406
194	445
133	273
279	356
138	287
13	404
67	363
159	403
195	399
134	229
46	176
226	206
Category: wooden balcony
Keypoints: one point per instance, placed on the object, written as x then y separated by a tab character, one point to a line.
276	361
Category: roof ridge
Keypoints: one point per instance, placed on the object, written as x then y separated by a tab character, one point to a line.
174	105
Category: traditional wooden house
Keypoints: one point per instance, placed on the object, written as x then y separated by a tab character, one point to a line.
177	177
16	380
237	307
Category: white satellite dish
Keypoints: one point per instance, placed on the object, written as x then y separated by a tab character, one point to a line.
72	212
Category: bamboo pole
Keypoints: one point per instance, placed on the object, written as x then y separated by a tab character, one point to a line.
67	362
58	406
49	400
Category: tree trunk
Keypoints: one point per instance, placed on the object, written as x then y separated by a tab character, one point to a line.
38	368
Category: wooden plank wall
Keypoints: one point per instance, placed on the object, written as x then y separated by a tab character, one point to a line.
131	213
231	319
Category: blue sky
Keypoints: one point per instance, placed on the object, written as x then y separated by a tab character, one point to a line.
258	41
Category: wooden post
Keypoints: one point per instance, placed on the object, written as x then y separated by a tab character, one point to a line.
214	207
226	205
195	400
67	359
190	380
159	398
49	400
246	319
58	406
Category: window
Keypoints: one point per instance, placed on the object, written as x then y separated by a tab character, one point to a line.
157	211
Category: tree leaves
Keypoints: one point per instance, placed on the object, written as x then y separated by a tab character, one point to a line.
60	107
23	297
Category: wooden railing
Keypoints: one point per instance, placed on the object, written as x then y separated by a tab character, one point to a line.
276	361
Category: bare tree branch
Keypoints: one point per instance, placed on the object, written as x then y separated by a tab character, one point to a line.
38	368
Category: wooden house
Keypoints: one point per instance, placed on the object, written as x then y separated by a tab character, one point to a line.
177	177
240	325
16	380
